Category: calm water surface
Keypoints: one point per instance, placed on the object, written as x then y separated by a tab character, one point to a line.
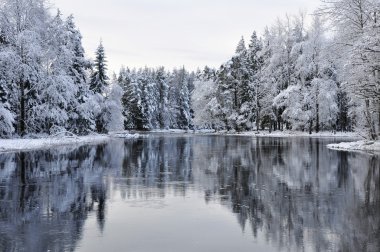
191	193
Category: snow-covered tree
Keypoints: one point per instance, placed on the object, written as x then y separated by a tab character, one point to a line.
184	117
98	85
163	88
357	43
99	78
205	105
6	120
81	118
43	70
113	106
258	87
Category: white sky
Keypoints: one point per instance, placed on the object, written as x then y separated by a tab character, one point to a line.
172	33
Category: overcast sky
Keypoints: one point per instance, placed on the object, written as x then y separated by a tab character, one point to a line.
173	33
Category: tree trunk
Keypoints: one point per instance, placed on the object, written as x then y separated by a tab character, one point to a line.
370	125
257	120
310	127
270	126
317	118
378	123
22	110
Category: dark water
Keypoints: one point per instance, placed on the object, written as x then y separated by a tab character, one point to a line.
191	193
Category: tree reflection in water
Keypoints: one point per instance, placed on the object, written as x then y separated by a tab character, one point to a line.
295	192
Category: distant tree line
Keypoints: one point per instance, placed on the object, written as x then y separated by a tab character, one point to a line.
156	98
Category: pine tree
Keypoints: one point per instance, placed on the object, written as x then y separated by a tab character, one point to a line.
99	78
124	80
163	89
98	85
81	120
184	117
257	88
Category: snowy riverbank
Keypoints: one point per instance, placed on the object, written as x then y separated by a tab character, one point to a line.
285	133
363	145
9	145
295	134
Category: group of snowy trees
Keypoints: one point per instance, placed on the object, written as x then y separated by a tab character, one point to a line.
44	76
285	79
318	76
321	77
156	98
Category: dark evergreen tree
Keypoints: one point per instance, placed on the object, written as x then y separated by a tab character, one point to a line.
99	78
163	88
98	85
184	116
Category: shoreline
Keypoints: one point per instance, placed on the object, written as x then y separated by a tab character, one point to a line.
19	144
286	133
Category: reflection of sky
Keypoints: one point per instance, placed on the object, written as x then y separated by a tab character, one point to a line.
170	225
173	33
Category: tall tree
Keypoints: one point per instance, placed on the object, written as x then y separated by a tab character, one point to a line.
81	119
99	78
184	116
258	87
98	85
163	88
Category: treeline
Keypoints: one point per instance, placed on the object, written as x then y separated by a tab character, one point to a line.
156	98
46	83
296	77
323	76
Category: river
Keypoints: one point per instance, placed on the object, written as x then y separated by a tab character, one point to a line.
191	193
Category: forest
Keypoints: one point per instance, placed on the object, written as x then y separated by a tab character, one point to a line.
311	73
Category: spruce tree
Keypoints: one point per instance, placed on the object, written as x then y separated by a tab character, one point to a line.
162	85
98	85
184	117
257	88
99	78
82	119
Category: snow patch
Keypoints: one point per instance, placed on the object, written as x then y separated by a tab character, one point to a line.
11	145
286	133
363	145
125	134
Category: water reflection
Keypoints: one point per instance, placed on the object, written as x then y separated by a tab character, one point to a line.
295	193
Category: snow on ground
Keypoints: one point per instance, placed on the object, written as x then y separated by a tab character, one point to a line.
124	134
285	133
9	145
179	131
363	145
